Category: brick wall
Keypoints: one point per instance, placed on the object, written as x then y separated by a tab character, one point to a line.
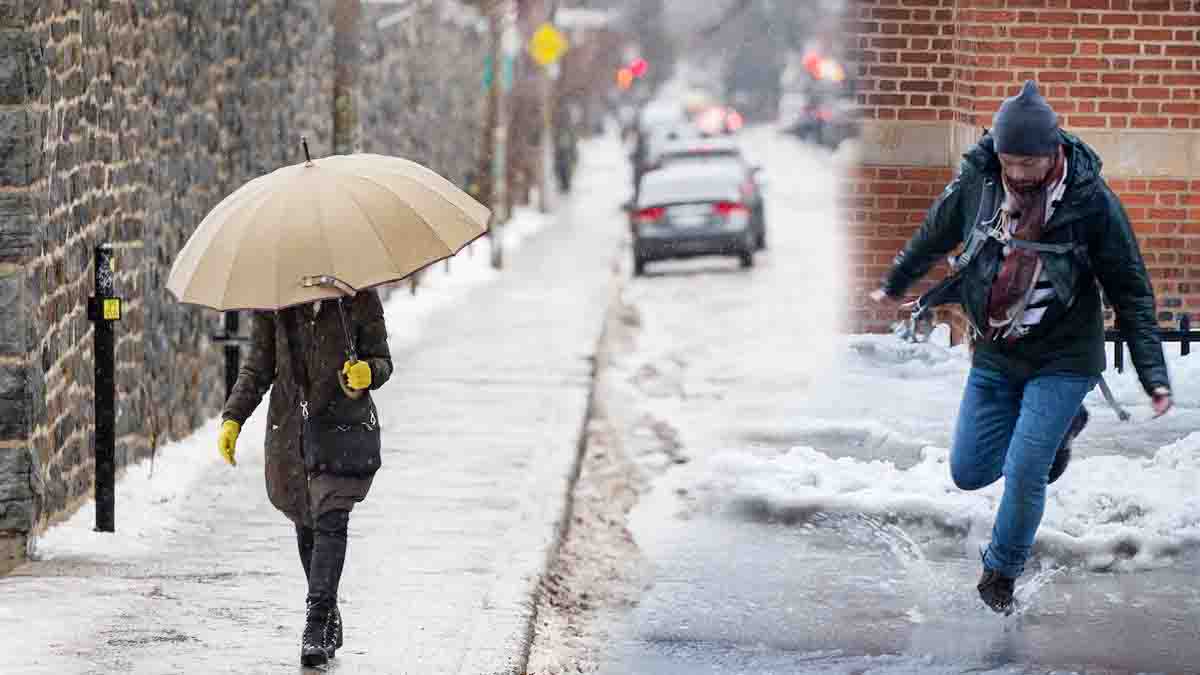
1123	74
125	122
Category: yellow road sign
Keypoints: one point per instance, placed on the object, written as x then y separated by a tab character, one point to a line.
548	45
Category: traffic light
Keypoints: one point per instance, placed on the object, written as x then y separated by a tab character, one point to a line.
639	68
625	78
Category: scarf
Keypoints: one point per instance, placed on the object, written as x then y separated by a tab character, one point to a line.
1023	216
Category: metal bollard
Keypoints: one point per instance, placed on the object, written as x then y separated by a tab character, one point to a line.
1185	337
104	309
233	349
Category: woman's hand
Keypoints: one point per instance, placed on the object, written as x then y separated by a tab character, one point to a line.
357	374
227	441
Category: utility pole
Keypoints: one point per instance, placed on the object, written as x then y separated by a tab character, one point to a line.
507	47
549	77
346	16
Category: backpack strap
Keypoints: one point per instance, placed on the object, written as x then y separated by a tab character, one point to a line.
1061	249
981	226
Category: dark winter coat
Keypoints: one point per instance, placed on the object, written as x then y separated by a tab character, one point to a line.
322	345
1091	218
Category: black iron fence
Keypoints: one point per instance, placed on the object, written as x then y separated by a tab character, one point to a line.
1184	335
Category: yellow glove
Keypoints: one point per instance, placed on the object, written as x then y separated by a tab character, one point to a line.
358	374
227	440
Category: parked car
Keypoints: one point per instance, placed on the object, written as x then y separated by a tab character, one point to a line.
655	141
821	114
724	154
692	210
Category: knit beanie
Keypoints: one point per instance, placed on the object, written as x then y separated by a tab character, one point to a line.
1026	125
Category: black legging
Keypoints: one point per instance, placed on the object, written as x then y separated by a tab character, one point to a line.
323	555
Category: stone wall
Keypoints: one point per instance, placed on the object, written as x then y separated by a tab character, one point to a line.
124	122
1123	74
421	87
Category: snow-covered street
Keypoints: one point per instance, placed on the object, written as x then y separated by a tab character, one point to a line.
797	513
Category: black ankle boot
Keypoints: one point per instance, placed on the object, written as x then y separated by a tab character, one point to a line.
996	591
335	641
314	650
325	572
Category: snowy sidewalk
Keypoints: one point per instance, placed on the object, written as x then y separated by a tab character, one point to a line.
481	425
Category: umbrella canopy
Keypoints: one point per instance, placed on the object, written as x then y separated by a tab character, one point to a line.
362	219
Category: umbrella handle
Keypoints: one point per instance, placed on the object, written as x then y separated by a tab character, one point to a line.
347	289
351	351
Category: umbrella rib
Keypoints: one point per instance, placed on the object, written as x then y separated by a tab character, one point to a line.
202	239
325	240
379	235
463	212
241	240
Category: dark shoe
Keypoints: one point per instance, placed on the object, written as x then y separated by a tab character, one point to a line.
335	632
314	644
996	591
1063	457
325	573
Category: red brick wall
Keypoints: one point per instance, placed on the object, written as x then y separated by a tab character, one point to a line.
905	53
884	205
1102	63
1124	74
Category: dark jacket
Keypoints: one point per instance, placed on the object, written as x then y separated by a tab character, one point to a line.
322	345
1091	219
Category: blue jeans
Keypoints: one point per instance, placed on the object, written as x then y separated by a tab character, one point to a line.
1013	428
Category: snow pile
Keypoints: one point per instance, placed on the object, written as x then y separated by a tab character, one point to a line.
1110	511
151	498
1096	515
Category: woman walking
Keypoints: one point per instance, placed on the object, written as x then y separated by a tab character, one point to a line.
300	354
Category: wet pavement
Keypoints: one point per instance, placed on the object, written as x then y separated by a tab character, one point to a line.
732	370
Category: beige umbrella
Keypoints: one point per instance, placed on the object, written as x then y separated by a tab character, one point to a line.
323	229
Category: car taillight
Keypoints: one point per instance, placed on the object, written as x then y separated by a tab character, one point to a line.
727	209
649	216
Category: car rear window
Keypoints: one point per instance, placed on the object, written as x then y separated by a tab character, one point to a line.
729	165
674	187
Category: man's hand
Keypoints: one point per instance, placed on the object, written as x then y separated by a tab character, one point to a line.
880	297
1162	402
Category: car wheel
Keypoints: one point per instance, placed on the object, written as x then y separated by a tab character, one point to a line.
639	265
747	259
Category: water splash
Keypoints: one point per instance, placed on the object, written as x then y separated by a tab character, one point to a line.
1027	592
930	590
